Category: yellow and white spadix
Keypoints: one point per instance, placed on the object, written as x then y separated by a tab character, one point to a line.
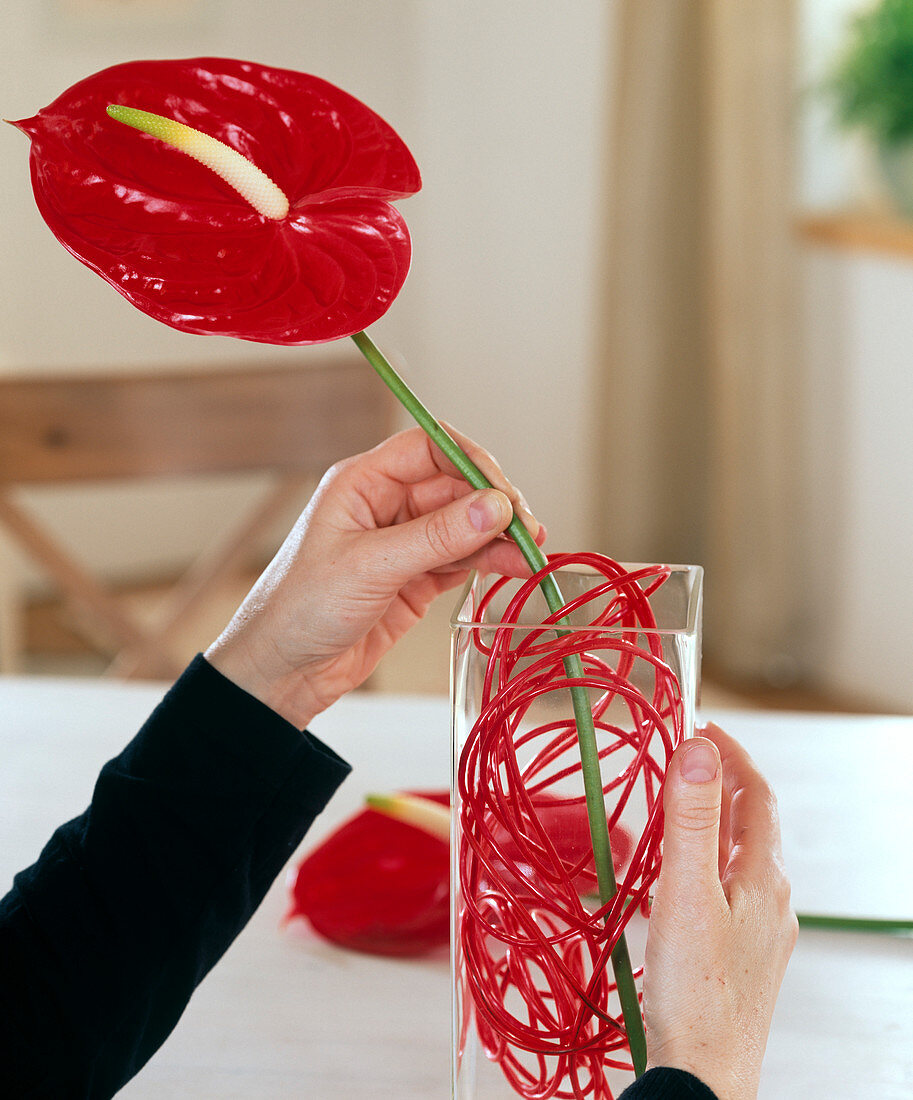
251	182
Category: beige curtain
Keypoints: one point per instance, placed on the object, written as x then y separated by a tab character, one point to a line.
698	416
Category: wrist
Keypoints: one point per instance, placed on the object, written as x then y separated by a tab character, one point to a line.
284	691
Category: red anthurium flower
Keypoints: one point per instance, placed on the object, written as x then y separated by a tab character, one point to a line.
182	244
379	885
381	882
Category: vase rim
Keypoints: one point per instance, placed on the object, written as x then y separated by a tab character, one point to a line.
688	624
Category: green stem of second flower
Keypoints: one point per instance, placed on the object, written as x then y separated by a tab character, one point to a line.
883	925
586	732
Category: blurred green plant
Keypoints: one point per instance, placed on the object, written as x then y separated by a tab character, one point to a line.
871	82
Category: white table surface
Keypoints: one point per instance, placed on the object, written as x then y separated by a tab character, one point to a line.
285	1015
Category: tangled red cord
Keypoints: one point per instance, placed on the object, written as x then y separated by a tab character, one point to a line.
534	957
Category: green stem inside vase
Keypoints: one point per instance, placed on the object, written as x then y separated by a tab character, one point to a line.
573	666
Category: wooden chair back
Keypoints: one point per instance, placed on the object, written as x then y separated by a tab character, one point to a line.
293	421
64	429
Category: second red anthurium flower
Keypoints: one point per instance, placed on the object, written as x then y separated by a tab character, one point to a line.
378	884
183	245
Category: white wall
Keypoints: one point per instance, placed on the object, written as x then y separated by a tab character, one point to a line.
503	104
857	413
858	530
508	266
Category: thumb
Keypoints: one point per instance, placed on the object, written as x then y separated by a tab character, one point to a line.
691	803
447	535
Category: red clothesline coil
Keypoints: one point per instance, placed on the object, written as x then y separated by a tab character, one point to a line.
533	953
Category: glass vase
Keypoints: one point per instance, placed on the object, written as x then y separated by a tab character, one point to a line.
535	935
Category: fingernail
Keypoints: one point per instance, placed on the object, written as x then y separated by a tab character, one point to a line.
485	512
699	764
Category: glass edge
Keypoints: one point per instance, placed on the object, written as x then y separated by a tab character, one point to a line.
455	620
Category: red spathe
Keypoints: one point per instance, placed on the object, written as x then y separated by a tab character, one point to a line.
378	885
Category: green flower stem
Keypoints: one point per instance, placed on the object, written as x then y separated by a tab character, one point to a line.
586	732
886	926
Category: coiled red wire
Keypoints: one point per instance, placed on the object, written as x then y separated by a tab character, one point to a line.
534	956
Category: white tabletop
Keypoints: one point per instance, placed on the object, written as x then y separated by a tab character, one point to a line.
285	1015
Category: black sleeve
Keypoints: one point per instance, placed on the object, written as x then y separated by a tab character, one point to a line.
103	940
668	1084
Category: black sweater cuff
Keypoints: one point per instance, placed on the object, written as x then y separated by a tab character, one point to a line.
664	1083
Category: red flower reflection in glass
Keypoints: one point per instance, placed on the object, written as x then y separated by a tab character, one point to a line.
382	886
183	246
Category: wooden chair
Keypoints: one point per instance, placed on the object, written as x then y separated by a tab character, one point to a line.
65	430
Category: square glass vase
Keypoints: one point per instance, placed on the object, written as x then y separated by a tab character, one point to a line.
539	925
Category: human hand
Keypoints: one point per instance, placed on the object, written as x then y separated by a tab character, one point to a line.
384	534
721	929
